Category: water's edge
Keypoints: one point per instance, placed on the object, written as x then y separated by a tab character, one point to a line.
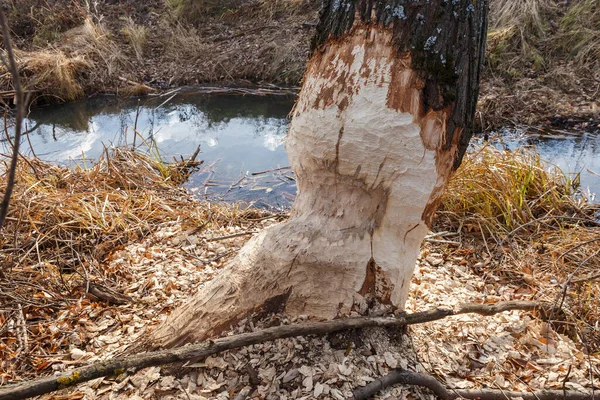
241	139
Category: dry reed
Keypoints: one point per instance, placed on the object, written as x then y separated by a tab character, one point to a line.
137	35
535	232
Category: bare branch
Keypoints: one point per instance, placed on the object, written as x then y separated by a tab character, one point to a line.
19	105
400	377
205	349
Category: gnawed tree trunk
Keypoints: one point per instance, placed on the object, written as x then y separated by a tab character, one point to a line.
382	121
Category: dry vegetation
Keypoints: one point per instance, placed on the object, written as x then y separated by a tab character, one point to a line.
137	36
532	231
519	222
54	73
519	225
166	42
543	59
64	72
63	227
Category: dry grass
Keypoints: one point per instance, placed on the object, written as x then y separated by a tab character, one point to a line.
543	59
271	8
137	35
507	189
65	224
185	43
535	232
195	10
72	211
516	29
136	90
87	54
53	72
580	32
94	40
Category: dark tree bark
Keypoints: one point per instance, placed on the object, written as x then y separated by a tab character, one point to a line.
382	121
446	43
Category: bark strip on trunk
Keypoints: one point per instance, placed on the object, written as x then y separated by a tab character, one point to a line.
382	121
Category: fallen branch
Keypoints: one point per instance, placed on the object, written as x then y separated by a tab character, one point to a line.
202	350
400	377
107	294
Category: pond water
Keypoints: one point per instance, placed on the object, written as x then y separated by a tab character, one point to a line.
241	139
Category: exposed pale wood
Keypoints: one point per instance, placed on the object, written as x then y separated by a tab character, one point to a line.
400	377
381	123
205	349
243	394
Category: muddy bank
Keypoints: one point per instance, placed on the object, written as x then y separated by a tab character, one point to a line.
542	64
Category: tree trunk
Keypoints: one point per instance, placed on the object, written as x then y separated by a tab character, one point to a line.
381	123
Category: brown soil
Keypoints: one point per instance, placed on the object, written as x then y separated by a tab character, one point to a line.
259	43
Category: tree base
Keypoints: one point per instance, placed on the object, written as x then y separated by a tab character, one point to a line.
371	165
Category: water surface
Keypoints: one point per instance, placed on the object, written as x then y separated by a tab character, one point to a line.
238	136
241	139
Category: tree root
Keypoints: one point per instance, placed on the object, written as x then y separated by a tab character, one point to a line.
415	379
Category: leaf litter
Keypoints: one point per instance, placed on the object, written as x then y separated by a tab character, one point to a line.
57	326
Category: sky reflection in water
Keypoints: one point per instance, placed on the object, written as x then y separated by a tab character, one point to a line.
239	135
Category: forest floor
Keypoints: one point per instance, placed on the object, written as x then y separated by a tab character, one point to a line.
95	258
542	66
511	351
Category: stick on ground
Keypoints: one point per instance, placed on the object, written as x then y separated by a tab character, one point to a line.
202	350
400	377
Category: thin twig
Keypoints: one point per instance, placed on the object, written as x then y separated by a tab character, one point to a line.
564	217
19	105
566	284
137	115
233	235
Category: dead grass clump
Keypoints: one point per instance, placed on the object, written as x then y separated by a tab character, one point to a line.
53	72
63	226
273	8
196	10
506	189
94	40
580	32
285	61
120	196
136	90
516	28
536	234
526	15
185	43
551	43
137	35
